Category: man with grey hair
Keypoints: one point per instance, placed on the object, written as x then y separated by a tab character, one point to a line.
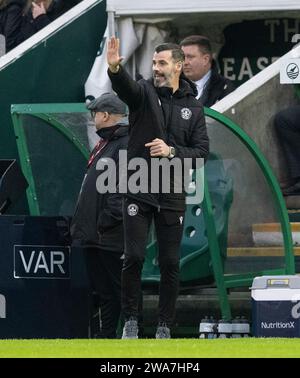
166	121
97	225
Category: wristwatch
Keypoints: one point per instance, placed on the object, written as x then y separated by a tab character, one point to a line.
172	152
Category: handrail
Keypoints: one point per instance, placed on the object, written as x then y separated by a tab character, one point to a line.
271	179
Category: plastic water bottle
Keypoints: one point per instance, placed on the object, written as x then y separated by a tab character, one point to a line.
207	328
240	327
236	327
224	328
214	333
245	327
204	328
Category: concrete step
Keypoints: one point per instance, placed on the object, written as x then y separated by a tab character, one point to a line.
244	260
292	202
255	259
294	215
258	251
270	234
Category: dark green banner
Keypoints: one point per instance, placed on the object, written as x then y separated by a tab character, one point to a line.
250	46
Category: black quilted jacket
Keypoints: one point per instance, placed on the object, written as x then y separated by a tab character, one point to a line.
176	118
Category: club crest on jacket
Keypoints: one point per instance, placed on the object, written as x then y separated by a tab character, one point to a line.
186	113
132	209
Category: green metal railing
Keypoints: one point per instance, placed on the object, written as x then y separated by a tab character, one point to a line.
44	112
271	180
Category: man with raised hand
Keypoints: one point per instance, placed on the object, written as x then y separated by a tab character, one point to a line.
166	123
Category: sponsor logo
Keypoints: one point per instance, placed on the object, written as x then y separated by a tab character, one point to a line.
277	325
132	209
186	113
296	311
2	307
35	261
292	71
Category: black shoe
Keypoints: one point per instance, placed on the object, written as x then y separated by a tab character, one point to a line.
293	190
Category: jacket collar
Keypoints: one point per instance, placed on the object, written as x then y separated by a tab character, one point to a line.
113	132
186	87
214	72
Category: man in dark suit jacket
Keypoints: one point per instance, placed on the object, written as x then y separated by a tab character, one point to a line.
10	22
201	68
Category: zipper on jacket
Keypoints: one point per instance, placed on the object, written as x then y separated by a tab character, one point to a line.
170	118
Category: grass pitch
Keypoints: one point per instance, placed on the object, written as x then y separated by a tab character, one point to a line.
150	348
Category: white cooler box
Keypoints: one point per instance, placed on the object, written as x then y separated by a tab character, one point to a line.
276	306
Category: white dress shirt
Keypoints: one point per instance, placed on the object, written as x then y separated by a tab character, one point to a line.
201	83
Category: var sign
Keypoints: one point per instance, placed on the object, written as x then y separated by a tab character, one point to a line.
35	261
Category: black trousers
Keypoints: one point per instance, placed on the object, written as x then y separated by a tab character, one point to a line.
104	270
138	217
287	124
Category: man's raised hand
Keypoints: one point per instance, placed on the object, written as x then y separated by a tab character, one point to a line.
113	57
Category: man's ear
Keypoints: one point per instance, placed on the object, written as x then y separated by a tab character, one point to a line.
207	58
179	66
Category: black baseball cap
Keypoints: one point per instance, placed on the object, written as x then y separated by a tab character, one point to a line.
108	102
